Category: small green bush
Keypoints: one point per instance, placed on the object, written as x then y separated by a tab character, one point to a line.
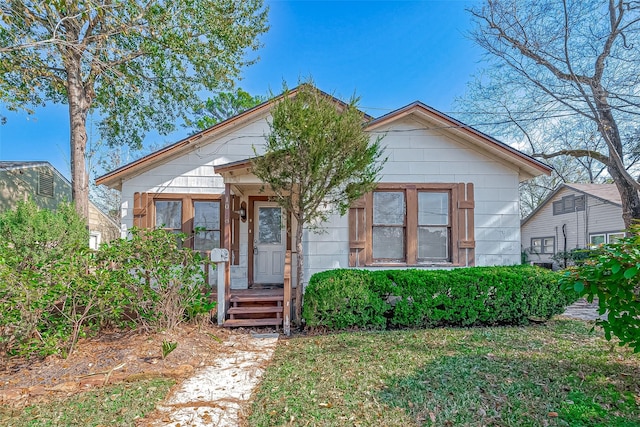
611	275
424	298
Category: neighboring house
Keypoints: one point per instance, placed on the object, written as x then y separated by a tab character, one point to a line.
447	197
573	216
47	188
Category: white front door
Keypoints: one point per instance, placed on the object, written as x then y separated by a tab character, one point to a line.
269	243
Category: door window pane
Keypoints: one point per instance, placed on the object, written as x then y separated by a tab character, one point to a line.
433	243
169	214
270	225
388	243
433	208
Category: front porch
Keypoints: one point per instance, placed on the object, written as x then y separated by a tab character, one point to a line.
257	237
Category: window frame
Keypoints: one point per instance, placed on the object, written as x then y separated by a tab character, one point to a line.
569	204
188	211
411	224
542	245
607	235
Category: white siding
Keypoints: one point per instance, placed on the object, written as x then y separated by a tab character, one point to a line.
598	217
424	156
415	154
193	173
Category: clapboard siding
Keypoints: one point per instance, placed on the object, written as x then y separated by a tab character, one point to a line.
417	152
434	157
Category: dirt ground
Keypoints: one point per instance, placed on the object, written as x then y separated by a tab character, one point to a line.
113	357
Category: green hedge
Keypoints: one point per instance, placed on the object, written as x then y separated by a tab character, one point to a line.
513	295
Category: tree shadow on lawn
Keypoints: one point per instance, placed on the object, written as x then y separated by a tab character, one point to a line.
524	389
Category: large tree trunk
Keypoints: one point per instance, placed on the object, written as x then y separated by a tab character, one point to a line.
626	184
628	196
78	111
299	271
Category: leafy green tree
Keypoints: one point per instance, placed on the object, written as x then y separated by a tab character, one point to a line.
612	276
223	106
318	159
569	72
137	65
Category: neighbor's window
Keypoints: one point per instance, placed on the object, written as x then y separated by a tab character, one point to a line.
543	245
603	238
206	225
568	204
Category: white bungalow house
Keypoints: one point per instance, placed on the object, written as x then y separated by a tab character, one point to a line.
573	216
447	197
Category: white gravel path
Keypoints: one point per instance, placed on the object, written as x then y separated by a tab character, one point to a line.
215	394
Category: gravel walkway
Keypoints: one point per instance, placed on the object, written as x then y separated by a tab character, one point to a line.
215	395
583	310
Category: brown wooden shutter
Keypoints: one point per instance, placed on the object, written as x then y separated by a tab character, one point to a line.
235	230
357	233
142	210
466	226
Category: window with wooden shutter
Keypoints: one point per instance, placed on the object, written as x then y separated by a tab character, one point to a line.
413	225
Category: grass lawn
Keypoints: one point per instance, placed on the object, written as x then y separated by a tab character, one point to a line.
558	374
115	405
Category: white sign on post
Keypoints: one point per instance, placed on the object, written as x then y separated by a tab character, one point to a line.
220	256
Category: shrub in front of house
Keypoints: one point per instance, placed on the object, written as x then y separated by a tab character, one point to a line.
342	298
425	298
55	290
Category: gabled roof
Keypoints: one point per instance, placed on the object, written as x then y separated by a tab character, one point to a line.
526	163
607	193
114	178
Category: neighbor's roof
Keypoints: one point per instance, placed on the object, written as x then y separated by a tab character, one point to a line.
10	165
525	162
606	192
114	178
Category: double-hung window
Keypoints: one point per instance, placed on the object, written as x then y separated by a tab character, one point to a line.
206	225
434	226
413	224
389	225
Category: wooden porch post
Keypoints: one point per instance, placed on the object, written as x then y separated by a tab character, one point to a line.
227	244
286	310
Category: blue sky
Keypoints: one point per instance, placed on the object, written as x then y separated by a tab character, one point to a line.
390	53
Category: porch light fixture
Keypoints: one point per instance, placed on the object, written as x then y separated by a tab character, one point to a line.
242	212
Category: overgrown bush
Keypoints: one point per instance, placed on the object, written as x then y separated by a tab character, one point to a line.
54	290
423	298
611	275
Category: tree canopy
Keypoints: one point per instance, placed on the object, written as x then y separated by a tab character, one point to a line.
137	65
224	106
564	76
318	159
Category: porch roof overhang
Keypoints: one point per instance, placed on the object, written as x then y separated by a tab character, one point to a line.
239	175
